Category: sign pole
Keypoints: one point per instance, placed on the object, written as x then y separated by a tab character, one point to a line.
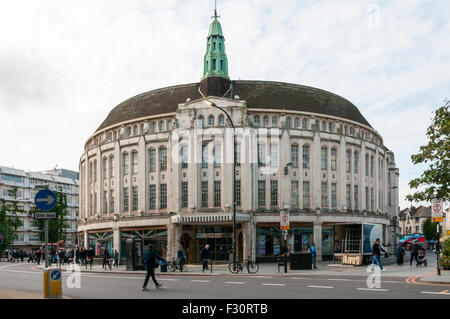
438	251
46	243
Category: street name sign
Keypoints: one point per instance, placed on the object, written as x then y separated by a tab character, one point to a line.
45	199
437	211
44	215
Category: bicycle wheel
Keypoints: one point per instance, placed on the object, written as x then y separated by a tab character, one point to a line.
234	267
171	266
252	268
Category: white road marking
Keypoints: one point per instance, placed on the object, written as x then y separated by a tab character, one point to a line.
372	289
389	281
298	278
266	284
325	287
235	282
340	279
435	293
201	280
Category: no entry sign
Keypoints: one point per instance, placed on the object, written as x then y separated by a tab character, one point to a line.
437	211
284	219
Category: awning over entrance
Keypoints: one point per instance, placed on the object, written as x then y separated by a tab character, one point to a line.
209	218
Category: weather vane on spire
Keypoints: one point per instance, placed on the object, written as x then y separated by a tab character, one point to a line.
215	10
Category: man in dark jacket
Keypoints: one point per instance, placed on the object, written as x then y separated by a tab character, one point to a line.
204	256
149	260
414	254
399	254
376	252
181	257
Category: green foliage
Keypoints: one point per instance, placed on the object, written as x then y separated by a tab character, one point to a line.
429	230
445	261
9	223
437	155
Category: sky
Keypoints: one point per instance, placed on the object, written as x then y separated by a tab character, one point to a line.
64	65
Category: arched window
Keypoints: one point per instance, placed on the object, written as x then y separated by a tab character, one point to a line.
221	120
169	125
211	120
256	120
324	126
125	163
153	127
111	166
184	156
296	122
265	121
304	124
135	130
288	122
162	126
152	160
201	121
134	162
274	121
294	155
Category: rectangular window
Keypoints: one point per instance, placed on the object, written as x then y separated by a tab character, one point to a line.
217	194
367	164
324	194
294	155
371	166
333	195
306	203
294	193
324	157
152	196
125	199
105	168
105	202
347	196
184	194
152	160
111	201
111	166
261	193
333	159
125	164
217	155
134	162
237	154
371	199
162	159
204	155
274	155
355	162
163	196
237	192
261	154
184	157
355	196
204	194
273	193
348	159
135	198
367	198
305	156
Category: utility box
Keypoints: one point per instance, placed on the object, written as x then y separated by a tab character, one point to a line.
134	254
301	261
52	283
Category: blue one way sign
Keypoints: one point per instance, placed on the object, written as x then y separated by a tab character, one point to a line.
45	199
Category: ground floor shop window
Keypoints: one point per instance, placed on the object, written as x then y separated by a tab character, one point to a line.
219	239
270	242
101	240
156	237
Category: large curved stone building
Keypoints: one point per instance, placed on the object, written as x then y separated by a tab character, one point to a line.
160	165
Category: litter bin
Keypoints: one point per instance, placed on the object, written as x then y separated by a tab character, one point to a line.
163	266
301	261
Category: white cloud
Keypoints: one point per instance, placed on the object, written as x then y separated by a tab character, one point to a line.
65	64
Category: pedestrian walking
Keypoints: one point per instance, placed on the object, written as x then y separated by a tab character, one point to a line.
204	256
116	258
106	256
181	257
313	255
376	254
90	255
149	260
38	256
400	252
414	254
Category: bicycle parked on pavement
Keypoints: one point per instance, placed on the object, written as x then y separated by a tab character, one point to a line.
175	265
237	266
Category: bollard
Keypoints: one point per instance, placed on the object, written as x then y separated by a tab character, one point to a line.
52	283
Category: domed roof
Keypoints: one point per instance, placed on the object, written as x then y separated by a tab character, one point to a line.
257	94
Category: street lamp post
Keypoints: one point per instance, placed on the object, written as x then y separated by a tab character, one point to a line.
234	176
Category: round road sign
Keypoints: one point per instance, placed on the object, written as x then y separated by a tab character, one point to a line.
437	208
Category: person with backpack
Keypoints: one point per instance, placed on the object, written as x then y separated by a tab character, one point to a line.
149	261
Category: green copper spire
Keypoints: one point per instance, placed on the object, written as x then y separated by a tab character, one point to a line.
215	61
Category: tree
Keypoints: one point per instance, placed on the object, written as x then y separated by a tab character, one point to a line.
9	221
55	226
429	230
437	154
